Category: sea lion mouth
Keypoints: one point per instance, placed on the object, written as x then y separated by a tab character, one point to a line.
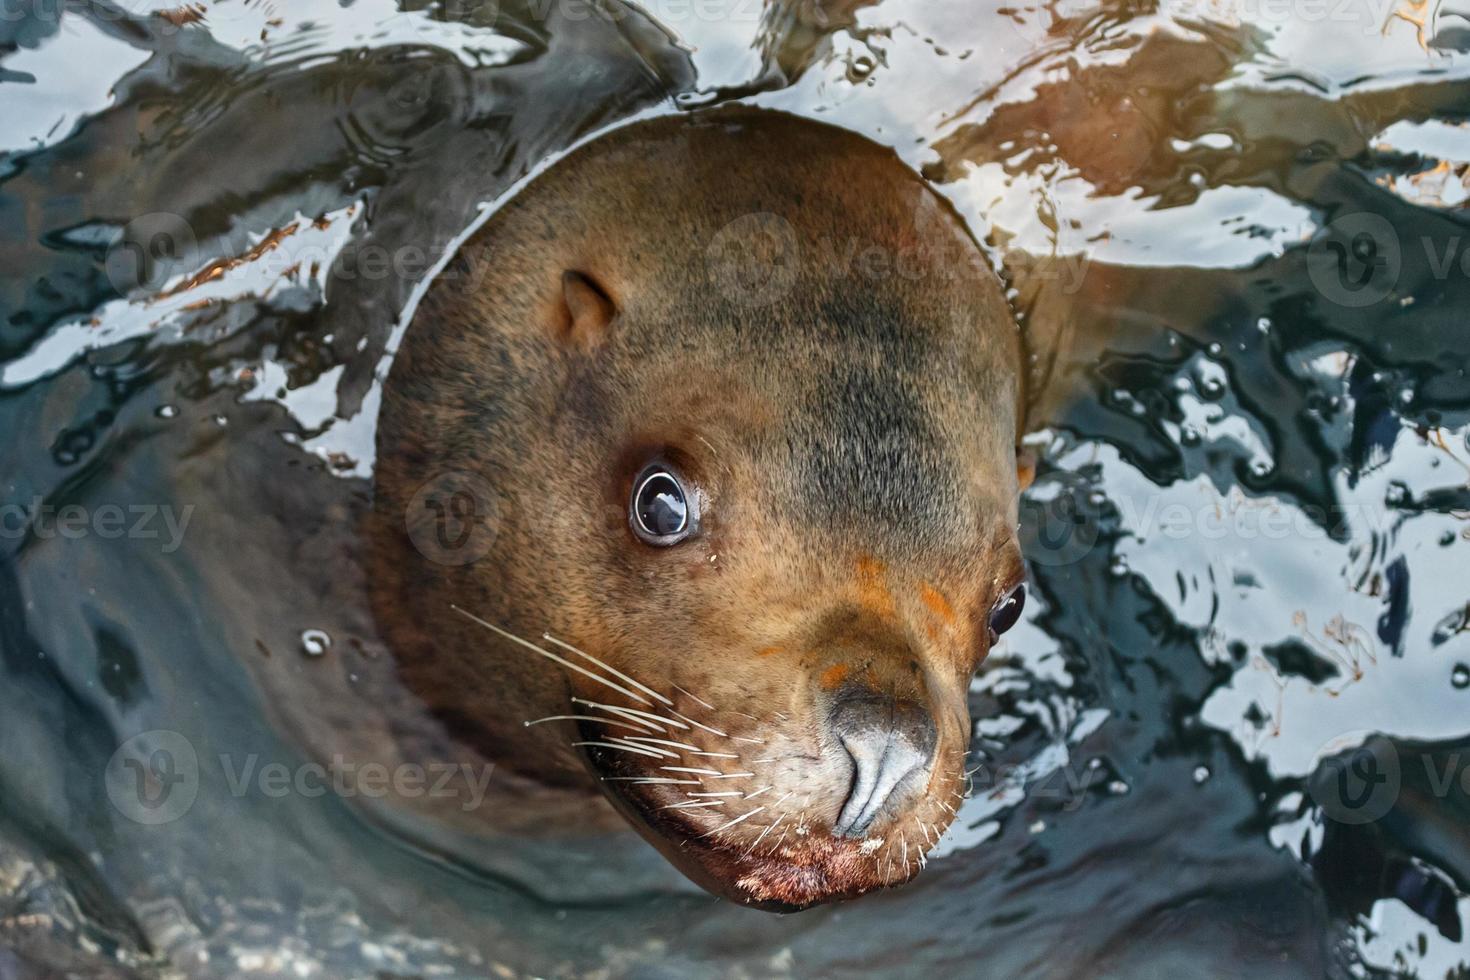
778	872
770	844
776	814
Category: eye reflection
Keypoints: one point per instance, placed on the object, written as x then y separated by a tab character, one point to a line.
660	507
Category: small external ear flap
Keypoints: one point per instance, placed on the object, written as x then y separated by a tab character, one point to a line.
587	312
1025	467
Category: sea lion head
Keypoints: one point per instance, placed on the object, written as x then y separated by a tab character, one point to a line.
728	408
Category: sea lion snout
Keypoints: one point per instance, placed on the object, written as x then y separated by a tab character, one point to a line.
890	742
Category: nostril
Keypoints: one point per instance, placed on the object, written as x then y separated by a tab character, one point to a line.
879	768
888	742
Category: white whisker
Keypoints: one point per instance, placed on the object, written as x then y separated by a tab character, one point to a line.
751	796
700	700
605	721
692	749
712	731
733	775
762	836
626	748
551	656
731	823
610	669
651	779
622	740
697	772
633	713
671	744
692	803
752	741
734	792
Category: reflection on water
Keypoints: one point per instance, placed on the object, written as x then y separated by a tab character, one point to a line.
1233	733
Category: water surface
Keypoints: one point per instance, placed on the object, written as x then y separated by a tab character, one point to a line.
1237	234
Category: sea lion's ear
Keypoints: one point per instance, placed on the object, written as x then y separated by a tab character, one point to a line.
586	312
1025	467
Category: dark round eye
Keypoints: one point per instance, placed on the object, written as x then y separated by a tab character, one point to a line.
661	510
1006	612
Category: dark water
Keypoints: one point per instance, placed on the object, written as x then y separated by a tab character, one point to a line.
1232	736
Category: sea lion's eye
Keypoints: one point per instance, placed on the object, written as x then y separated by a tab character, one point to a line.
1007	611
662	511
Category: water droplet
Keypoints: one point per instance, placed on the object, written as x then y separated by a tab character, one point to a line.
1201	773
315	642
1097	498
1460	677
166	411
1117	787
1264	324
1260	467
1190	436
1119	567
1037	827
220	420
860	68
1406	397
1214	350
1446	539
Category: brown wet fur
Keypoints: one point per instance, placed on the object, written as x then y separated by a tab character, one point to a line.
851	435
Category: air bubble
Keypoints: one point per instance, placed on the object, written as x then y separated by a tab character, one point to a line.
315	642
1201	773
1460	677
166	411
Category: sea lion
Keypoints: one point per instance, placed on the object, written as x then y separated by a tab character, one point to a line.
696	486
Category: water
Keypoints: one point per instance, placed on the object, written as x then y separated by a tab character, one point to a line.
1237	233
